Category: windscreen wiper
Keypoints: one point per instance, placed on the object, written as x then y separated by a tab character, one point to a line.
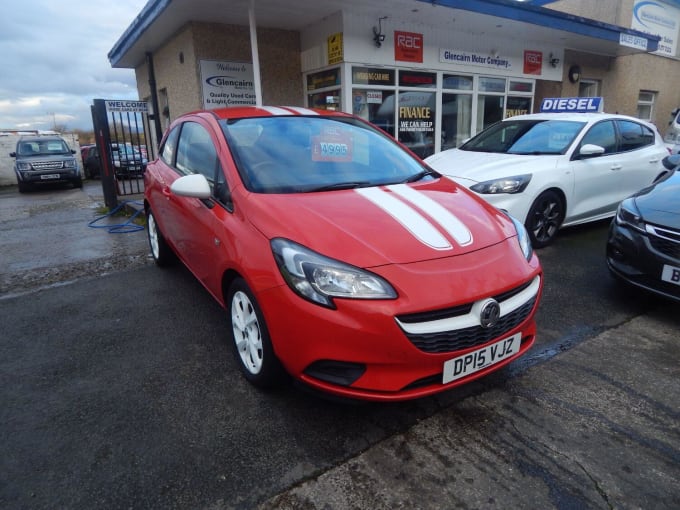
339	186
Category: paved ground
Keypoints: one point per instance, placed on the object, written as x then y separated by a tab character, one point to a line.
596	427
595	424
46	239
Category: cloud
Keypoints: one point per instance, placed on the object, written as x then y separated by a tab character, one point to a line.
54	60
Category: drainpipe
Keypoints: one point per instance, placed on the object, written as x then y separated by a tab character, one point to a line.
154	99
256	54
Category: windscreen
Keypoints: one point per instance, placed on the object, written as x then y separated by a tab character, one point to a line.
534	137
297	154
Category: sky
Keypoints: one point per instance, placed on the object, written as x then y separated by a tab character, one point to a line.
53	60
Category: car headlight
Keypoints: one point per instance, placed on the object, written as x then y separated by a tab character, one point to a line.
22	166
70	163
514	184
319	279
628	215
522	237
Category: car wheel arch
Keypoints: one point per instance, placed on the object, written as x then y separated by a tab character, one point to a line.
561	196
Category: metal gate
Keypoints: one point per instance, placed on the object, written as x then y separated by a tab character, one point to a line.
125	145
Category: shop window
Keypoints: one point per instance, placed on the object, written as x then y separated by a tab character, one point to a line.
323	90
645	105
375	106
517	105
416	117
458	82
490	110
456	119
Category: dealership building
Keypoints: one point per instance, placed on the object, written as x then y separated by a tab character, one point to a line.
432	73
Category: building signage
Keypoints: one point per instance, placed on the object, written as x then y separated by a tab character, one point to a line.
372	76
408	47
323	79
335	48
572	104
471	58
533	62
655	18
113	105
227	84
417	79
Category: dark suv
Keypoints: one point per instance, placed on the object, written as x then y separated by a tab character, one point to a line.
45	159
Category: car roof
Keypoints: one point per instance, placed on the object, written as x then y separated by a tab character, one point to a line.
578	117
240	112
38	138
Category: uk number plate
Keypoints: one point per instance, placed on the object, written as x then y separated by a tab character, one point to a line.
671	274
50	176
481	358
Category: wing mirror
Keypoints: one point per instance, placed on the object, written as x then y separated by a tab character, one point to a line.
193	185
590	150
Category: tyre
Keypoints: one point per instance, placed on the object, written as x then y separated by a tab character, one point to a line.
23	187
545	218
78	183
160	251
250	338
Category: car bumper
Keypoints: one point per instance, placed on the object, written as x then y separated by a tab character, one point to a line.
639	260
362	349
47	176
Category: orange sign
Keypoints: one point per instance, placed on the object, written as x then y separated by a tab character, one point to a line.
408	47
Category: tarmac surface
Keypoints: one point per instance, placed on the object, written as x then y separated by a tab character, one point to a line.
595	426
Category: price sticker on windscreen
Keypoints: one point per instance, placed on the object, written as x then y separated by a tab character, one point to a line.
332	145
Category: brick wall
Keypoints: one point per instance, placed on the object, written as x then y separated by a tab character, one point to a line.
8	143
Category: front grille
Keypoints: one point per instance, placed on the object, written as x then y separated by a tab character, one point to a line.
47	165
449	341
665	241
459	327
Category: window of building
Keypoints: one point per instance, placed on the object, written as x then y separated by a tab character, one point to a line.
323	90
588	88
645	105
456	110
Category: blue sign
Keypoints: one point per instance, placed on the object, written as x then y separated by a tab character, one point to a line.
572	105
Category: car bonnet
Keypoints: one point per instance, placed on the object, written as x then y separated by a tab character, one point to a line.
660	204
374	226
483	166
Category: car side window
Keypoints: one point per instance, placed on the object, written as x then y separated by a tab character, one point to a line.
170	147
634	135
602	134
196	152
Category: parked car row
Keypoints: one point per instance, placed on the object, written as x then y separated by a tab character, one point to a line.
128	161
346	262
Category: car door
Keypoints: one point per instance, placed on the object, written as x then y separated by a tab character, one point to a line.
642	162
194	226
597	189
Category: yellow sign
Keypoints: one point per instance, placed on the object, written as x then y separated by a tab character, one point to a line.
335	48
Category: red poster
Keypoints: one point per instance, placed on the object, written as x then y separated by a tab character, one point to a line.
408	47
533	61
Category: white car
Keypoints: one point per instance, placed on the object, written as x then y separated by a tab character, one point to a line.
557	169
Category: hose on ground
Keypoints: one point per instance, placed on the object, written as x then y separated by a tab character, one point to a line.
120	228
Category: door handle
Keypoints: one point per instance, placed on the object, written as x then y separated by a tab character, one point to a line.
616	167
166	191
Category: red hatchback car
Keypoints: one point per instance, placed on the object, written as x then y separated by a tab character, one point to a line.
341	258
